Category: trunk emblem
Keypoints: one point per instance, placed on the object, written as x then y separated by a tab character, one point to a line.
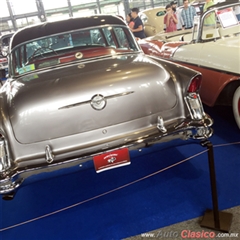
98	102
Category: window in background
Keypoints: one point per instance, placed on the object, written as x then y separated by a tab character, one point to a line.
4	9
113	7
10	24
110	9
158	3
77	2
33	20
23	22
137	4
6	27
148	4
56	10
50	4
57	16
23	6
85	8
84	13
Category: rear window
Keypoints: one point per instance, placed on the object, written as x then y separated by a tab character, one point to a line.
62	48
161	13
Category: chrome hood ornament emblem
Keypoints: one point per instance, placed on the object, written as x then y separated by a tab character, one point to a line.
98	102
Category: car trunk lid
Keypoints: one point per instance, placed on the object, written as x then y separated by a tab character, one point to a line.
93	95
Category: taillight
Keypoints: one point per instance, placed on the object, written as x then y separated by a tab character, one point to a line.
195	84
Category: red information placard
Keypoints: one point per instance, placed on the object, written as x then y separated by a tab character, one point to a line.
110	160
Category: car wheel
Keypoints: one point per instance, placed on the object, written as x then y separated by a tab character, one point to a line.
236	106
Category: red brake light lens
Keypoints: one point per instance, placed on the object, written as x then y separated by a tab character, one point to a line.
195	84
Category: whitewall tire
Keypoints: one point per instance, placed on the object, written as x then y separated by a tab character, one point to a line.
236	106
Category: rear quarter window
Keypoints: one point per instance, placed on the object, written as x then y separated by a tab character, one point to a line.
161	13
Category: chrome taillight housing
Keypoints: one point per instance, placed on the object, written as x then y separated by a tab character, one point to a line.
4	161
192	98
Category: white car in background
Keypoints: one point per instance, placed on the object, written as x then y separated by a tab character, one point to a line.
153	20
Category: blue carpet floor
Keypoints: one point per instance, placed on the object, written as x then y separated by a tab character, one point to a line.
130	200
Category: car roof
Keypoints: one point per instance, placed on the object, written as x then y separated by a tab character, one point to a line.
49	28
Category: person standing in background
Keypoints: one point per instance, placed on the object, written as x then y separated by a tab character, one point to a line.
237	12
210	19
174	6
130	21
188	13
138	28
170	19
177	11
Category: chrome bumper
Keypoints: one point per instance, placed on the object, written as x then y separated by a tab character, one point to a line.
13	177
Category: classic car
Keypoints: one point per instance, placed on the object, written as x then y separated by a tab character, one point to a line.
82	91
211	50
153	18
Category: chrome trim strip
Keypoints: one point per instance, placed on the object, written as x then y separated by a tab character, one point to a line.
89	101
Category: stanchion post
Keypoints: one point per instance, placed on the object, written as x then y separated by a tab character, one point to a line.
214	219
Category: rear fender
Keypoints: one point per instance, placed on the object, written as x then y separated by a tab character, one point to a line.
159	48
169	48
